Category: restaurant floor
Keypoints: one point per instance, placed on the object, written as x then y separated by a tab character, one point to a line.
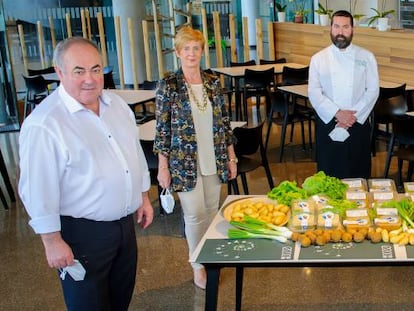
164	277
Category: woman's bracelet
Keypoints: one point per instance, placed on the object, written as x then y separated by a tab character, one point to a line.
163	168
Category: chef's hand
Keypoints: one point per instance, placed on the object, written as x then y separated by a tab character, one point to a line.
345	118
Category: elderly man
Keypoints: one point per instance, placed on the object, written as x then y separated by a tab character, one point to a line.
83	177
343	89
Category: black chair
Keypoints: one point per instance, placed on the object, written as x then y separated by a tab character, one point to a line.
251	153
48	70
152	160
287	110
36	90
233	89
402	138
271	62
382	113
257	85
7	183
109	82
144	115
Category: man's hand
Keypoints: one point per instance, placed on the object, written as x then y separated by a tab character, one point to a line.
58	252
345	118
145	214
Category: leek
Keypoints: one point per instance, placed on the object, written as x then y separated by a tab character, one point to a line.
251	220
243	234
260	229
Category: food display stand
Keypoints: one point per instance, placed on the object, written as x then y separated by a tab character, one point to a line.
216	251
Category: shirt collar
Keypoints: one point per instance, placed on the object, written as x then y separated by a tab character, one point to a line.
349	49
74	106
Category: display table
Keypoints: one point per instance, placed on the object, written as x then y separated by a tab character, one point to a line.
216	251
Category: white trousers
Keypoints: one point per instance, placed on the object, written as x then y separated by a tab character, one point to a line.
199	206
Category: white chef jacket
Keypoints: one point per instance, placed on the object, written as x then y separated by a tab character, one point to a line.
76	163
343	79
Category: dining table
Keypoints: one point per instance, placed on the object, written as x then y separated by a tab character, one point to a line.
147	129
236	73
216	251
135	97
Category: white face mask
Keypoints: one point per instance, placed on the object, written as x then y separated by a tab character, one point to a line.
167	201
76	271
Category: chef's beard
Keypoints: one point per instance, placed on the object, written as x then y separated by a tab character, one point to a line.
341	44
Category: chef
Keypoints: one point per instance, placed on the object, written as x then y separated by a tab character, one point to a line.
343	88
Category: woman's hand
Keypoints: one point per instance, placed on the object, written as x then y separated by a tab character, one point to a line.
164	177
232	166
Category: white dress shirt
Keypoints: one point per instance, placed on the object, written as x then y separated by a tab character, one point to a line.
343	79
76	163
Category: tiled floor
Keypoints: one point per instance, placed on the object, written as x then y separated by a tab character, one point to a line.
164	278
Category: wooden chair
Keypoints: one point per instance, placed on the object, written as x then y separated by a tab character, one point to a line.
145	115
251	153
48	70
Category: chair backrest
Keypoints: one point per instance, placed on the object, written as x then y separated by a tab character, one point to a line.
385	108
403	129
251	62
149	85
35	85
259	78
249	140
108	78
152	159
387	92
36	72
294	76
276	61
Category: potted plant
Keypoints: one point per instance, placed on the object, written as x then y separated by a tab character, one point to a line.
299	9
281	14
381	16
352	9
324	13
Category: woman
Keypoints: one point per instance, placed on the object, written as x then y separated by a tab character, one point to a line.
193	140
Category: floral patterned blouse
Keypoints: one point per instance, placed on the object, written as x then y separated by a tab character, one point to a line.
175	136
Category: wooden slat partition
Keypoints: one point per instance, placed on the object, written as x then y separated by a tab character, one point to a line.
233	46
271	40
52	31
393	49
205	33
41	41
102	38
147	52
246	47
83	22
23	46
259	40
131	49
68	25
119	51
88	24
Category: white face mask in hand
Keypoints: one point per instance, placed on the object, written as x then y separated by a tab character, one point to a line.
339	134
76	271
167	201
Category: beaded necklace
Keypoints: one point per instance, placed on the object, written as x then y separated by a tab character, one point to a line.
202	107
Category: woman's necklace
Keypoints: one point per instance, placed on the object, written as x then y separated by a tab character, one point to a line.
202	107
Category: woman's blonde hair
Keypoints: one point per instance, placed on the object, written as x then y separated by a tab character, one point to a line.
187	34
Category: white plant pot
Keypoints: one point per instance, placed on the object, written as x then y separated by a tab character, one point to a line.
382	24
324	20
281	17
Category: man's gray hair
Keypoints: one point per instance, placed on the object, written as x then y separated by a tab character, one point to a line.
64	45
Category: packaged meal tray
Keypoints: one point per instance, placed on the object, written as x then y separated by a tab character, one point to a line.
320	200
301	221
356	184
381	185
357	219
328	218
303	205
387	218
409	187
361	197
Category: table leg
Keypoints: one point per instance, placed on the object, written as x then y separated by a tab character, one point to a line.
213	274
239	287
6	178
238	103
